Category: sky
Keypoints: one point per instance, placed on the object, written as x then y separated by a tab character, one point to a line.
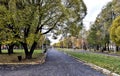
93	9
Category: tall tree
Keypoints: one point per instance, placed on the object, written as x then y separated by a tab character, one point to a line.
104	21
30	19
92	37
7	29
115	30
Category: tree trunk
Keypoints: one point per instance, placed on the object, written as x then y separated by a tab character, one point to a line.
108	48
28	55
10	49
25	50
105	48
97	47
33	47
117	48
0	49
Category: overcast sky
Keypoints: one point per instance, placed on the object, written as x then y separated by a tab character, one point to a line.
93	9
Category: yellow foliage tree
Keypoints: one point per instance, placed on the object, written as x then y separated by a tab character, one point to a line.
115	31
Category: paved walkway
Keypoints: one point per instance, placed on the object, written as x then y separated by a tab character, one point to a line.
57	64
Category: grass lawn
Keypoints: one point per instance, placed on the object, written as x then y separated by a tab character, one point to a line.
5	58
108	62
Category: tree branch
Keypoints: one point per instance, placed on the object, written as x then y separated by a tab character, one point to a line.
52	27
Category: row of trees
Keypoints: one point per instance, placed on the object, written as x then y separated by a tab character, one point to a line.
26	22
74	40
104	31
69	42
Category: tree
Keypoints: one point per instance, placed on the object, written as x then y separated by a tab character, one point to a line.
104	21
115	8
115	30
30	19
1	28
92	37
73	26
7	30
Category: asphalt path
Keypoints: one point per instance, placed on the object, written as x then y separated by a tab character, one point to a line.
57	64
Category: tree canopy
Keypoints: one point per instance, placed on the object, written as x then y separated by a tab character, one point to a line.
115	31
25	21
103	22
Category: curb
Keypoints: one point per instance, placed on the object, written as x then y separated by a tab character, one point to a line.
103	70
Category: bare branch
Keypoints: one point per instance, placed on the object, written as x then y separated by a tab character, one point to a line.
52	26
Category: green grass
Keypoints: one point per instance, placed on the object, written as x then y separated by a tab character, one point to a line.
108	62
5	58
21	51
